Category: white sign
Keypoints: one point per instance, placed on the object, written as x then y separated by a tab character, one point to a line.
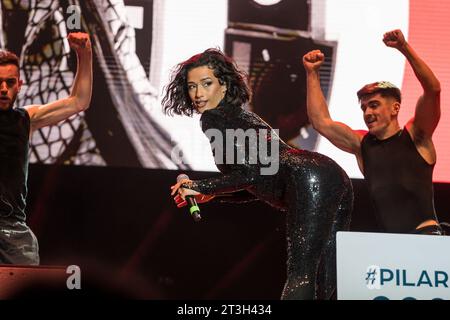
385	266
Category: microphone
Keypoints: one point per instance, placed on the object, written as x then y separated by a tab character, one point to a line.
191	202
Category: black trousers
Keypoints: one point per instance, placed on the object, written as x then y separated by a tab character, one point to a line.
18	244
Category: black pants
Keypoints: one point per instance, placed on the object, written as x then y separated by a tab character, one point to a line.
18	244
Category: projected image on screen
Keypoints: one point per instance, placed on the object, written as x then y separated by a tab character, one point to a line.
278	82
117	129
137	42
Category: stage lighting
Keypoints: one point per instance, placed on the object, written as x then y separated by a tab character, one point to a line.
267	2
286	14
267	38
140	14
278	80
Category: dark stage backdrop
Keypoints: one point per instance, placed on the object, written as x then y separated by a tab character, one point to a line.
122	228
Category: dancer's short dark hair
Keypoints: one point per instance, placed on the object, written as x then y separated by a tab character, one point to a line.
384	88
8	57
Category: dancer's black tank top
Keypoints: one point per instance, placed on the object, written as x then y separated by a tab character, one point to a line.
399	181
14	137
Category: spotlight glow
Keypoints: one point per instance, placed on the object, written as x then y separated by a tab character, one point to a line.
267	2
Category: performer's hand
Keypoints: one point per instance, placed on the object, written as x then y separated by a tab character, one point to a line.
313	60
200	198
183	192
79	41
394	39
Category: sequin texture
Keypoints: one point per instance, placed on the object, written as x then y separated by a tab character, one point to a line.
312	189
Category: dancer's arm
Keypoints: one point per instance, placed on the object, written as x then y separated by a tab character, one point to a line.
428	108
80	95
341	135
227	183
238	197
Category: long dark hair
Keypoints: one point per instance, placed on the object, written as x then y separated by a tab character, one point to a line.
176	99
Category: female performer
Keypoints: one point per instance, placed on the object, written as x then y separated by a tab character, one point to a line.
314	191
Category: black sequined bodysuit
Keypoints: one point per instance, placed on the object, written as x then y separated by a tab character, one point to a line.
314	191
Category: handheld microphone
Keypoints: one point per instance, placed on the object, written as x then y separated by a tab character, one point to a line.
191	202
